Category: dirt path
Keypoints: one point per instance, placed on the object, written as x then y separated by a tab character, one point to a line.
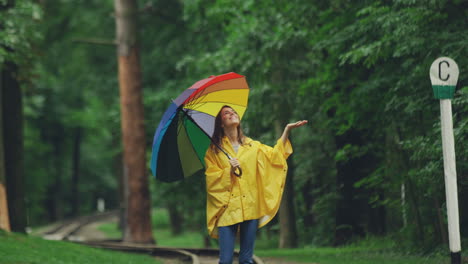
91	231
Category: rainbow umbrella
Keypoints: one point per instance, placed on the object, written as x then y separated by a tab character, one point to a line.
185	130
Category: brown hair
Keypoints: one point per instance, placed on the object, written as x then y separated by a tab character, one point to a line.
218	132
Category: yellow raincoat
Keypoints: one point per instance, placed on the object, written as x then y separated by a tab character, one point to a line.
254	195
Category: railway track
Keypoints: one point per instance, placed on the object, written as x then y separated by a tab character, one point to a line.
68	230
186	255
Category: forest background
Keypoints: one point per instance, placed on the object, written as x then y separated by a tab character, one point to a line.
369	162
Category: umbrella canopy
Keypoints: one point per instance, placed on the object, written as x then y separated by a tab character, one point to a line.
185	130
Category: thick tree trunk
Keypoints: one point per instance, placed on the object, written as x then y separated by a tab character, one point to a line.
13	146
138	209
4	216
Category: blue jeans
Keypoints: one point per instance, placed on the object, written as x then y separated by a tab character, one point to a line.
227	239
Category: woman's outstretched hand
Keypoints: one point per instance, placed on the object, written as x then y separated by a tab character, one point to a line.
296	124
290	126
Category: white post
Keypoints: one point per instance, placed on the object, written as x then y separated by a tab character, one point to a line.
101	206
444	76
450	172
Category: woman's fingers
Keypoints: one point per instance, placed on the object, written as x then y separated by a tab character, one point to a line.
298	124
234	162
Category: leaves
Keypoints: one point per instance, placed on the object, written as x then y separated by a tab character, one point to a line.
357	71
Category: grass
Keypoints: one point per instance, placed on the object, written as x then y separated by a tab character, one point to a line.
163	236
161	232
347	256
23	249
368	251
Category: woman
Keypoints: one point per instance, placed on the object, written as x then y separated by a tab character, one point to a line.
248	201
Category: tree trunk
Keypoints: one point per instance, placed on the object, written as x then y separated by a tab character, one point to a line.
76	171
13	146
416	209
118	171
176	218
308	216
4	218
377	215
57	192
287	217
350	206
288	231
133	131
441	223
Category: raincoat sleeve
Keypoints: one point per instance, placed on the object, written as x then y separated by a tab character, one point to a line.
218	187
279	153
271	176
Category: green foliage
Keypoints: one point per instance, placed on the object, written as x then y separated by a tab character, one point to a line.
18	33
358	71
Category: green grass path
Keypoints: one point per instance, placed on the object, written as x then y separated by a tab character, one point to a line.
347	256
23	249
367	251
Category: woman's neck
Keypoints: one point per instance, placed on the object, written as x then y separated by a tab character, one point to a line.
231	134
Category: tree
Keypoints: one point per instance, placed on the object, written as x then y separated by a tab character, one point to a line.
4	218
138	228
13	145
16	26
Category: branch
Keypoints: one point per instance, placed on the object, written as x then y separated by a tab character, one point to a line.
97	41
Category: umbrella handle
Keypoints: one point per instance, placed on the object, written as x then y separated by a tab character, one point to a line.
238	174
237	169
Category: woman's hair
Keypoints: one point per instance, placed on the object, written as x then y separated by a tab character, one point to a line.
218	133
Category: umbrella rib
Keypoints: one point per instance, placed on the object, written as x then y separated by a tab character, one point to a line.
197	96
205	88
194	122
194	100
207	102
202	104
179	128
193	148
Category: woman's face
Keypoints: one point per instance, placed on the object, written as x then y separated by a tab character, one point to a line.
229	117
